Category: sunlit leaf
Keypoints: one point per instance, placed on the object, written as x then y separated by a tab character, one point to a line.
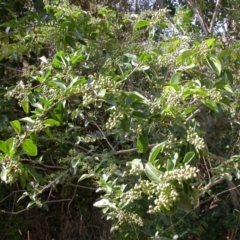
10	146
16	126
155	151
85	176
25	106
4	174
176	77
142	23
30	147
50	122
188	157
215	64
185	55
104	203
152	173
210	104
223	86
4	147
210	42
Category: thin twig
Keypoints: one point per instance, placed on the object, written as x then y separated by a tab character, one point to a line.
15	213
17	191
120	152
110	145
80	186
10	68
44	165
60	200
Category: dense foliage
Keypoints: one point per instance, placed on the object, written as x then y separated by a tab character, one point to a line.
135	114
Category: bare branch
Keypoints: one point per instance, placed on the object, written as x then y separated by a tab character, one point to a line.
15	213
216	11
194	114
193	5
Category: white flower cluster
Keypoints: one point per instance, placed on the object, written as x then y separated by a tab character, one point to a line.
172	97
215	95
163	194
131	218
193	138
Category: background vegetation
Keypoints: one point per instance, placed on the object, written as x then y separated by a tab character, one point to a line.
119	120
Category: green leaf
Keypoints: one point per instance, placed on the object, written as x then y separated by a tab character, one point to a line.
37	105
185	202
210	104
141	23
45	206
142	143
24	195
48	133
139	114
171	86
152	173
210	42
188	157
160	161
79	37
58	112
37	176
27	119
176	77
228	176
74	162
77	81
155	151
223	86
85	176
185	55
101	93
227	76
195	197
131	56
103	203
59	84
50	122
4	174
10	146
195	91
32	203
170	164
25	106
30	147
135	96
16	126
70	41
175	160
125	123
4	147
214	64
225	54
23	178
186	186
